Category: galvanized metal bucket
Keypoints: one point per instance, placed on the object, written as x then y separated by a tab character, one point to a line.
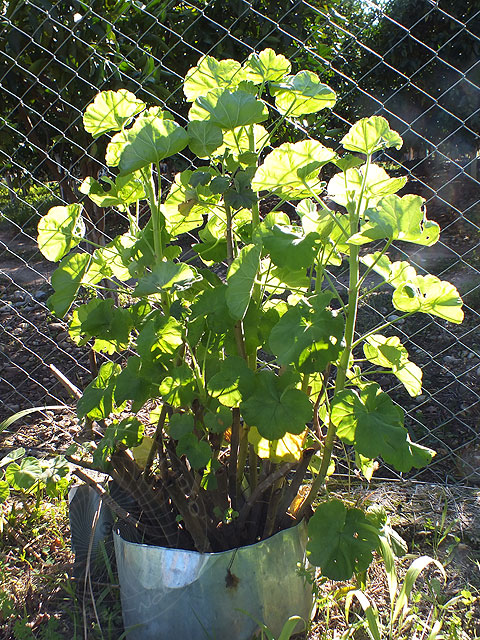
173	594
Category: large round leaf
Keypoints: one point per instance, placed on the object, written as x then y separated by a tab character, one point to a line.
232	382
398	218
229	110
345	188
276	408
429	294
341	540
111	111
390	353
371	134
291	170
374	425
204	137
267	66
122	193
151	138
60	230
24	475
301	94
166	276
309	336
211	73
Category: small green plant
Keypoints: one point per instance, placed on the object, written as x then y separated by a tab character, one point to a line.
248	349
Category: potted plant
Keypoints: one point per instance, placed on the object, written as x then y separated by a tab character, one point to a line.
224	327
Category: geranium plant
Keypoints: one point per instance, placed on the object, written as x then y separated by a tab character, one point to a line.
242	354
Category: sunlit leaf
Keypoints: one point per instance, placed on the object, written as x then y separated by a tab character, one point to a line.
267	66
291	170
128	432
238	141
124	191
286	449
395	273
232	382
301	94
229	110
371	134
346	188
429	294
111	111
341	541
211	73
4	491
151	138
60	230
398	219
178	389
390	353
289	249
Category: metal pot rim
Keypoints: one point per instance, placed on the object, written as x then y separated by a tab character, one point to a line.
116	532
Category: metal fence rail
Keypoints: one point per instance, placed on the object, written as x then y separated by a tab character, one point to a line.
414	61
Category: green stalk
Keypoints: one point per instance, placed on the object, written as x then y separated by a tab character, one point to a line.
352	308
154	204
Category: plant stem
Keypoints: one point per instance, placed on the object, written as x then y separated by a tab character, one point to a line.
154	204
233	461
157	441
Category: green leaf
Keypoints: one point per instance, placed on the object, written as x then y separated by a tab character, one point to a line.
123	192
275	408
308	336
60	230
229	110
209	74
116	256
111	111
371	134
345	188
184	206
301	94
341	541
160	338
128	432
97	399
287	449
151	138
398	219
218	420
232	382
395	273
101	320
197	451
12	456
374	424
178	389
390	353
66	281
166	276
240	279
211	305
24	475
291	170
180	424
239	141
4	491
429	294
204	137
132	384
266	66
288	249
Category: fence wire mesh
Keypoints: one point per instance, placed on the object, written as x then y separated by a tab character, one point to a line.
414	61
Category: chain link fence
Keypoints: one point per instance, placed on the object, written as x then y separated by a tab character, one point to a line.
416	62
